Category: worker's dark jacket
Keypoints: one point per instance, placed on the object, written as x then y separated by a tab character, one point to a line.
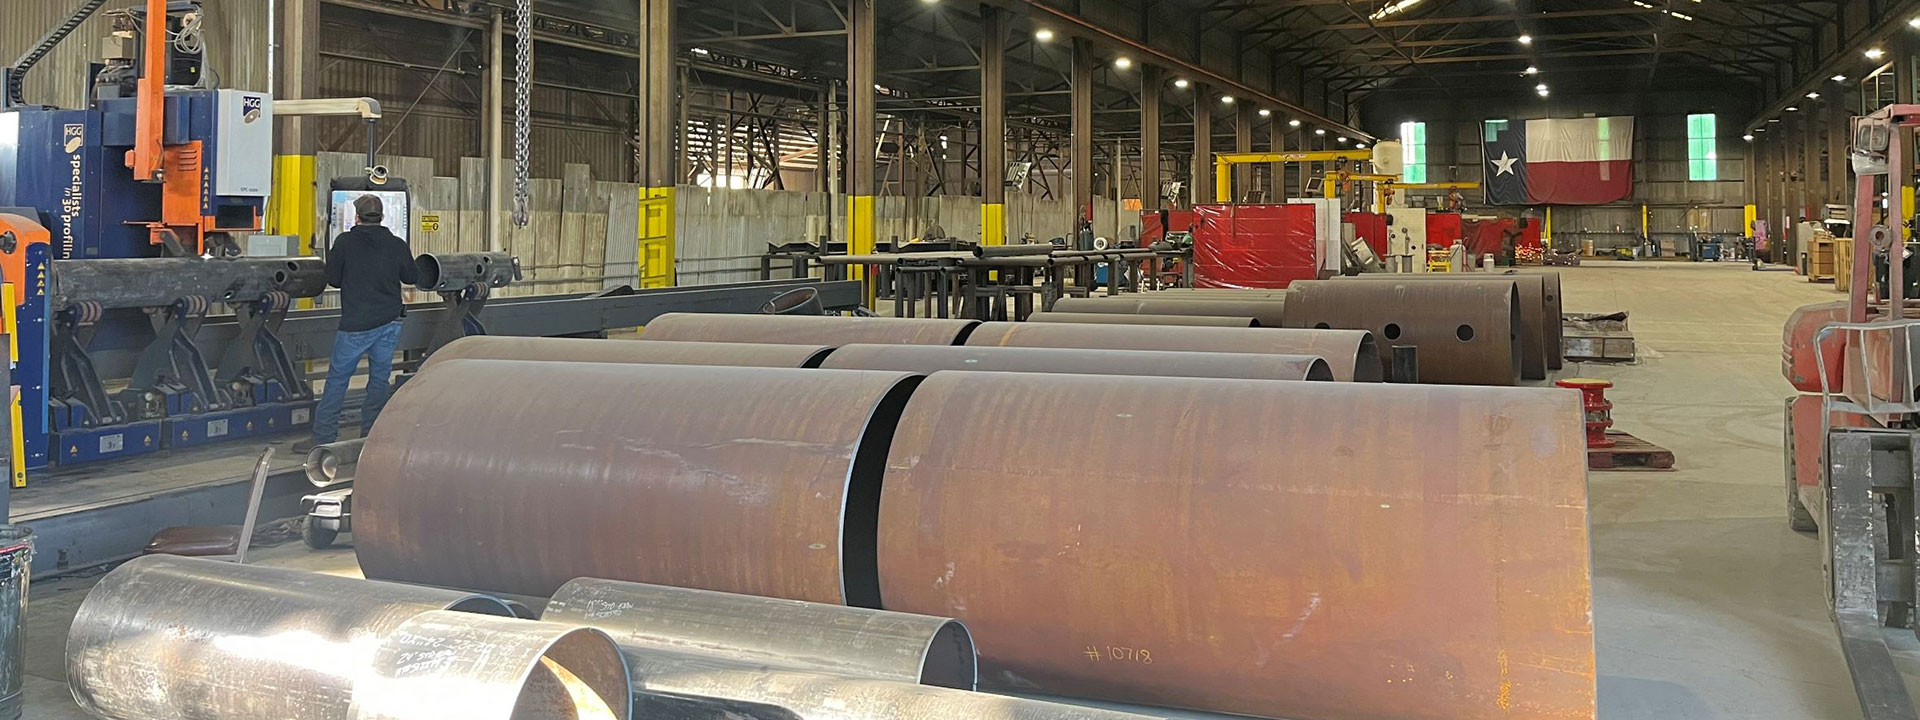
368	264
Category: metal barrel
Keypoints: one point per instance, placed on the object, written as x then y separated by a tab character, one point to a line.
496	347
1536	317
720	478
1351	353
1468	333
739	688
445	272
157	282
855	642
1131	319
926	359
1556	353
325	461
791	329
1267	309
1289	557
472	667
172	638
16	571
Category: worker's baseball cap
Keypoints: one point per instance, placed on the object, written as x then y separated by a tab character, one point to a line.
369	209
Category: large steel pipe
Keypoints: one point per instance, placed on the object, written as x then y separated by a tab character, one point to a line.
495	347
157	282
518	476
790	329
445	665
1556	354
447	272
855	642
1314	551
171	638
1267	309
1351	353
1536	337
927	359
1467	333
1131	319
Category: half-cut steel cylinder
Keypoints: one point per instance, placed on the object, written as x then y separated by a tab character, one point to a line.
171	638
854	642
1536	317
1132	319
496	347
1467	333
1298	550
517	476
1351	353
453	665
926	359
832	330
1267	308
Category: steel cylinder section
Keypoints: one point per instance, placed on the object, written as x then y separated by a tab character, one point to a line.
854	642
158	282
456	665
822	330
1536	337
325	463
518	476
927	359
1467	333
1350	353
496	347
1272	559
1267	309
170	638
447	272
1557	349
1131	319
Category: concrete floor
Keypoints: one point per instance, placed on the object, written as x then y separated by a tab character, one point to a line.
1707	606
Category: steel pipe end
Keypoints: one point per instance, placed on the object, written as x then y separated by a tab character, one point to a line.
950	660
476	667
324	461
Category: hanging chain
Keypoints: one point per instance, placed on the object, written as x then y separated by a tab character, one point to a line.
522	112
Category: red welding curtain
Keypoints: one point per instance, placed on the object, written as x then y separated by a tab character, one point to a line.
1371	228
1254	246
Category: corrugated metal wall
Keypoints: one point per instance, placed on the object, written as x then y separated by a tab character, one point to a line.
236	33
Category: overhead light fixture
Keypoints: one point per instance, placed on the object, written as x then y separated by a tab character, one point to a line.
1915	23
1319	131
1531	70
1771	121
1397	6
702	52
1525	39
1793	108
1759	129
1542	91
1839	78
1813	96
1541	86
1181	83
1360	146
1226	99
1293	123
929	2
1043	35
1265	112
1342	140
1875	53
1747	137
1123	62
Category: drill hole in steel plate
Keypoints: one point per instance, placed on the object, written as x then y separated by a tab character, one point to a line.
1391	331
1322	326
1464	332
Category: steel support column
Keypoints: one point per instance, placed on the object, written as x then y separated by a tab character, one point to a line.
1201	189
1081	150
1840	130
1277	185
1243	143
1150	83
293	209
1814	198
496	121
993	127
658	166
861	145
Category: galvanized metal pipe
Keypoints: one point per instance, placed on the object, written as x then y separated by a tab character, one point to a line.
1467	333
790	329
495	347
518	476
1537	318
1269	310
1131	319
927	359
853	642
1293	558
1351	353
172	638
157	282
325	461
472	667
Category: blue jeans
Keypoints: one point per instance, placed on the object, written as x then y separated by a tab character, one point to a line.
377	345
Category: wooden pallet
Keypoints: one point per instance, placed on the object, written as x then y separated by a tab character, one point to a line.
1629	453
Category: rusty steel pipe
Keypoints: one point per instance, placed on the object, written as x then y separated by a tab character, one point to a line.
926	359
1267	309
442	665
1289	556
495	347
719	478
1351	353
1536	338
1132	319
1467	333
172	638
808	330
838	640
1556	355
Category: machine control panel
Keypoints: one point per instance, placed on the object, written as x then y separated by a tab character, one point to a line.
243	166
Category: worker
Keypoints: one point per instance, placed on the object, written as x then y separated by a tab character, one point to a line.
368	264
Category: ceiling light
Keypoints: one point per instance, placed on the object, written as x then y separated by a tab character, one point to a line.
1319	131
1760	129
1525	39
1181	83
1543	92
1123	62
1342	140
1360	146
1392	7
1747	137
1914	22
1541	86
1774	120
1531	70
1839	78
1876	53
702	52
1265	112
1293	123
1226	99
1813	96
1043	35
929	2
1792	108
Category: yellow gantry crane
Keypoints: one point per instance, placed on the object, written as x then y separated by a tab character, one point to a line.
1223	164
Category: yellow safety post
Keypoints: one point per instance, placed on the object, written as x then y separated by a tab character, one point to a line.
1906	202
656	257
1646	222
993	224
1752	213
1546	228
17	440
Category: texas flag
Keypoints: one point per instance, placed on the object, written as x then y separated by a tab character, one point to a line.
1580	161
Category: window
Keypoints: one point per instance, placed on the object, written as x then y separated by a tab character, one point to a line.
1703	157
1413	151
